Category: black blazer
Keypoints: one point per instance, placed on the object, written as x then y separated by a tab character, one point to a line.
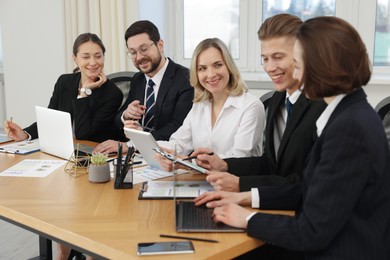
345	208
93	116
174	100
296	143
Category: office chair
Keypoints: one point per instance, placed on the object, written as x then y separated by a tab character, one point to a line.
266	98
383	110
123	80
383	107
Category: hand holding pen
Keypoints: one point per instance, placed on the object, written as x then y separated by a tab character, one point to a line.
195	156
14	131
208	160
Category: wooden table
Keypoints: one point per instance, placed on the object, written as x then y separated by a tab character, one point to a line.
97	219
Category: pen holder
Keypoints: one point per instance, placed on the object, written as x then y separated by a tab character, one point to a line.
123	176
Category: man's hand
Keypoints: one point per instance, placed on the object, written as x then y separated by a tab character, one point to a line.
133	124
223	181
134	111
218	198
232	215
109	146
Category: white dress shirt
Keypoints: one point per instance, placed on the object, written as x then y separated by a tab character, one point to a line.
237	132
324	117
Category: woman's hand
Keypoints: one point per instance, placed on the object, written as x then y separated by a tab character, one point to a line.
94	83
166	164
14	131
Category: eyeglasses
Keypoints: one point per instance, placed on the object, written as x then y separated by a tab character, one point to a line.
143	50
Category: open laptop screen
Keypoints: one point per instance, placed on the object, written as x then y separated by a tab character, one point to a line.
55	133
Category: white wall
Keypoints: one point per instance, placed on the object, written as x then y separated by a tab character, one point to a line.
33	51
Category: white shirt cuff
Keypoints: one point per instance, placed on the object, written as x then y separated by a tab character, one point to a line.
249	217
29	136
255	198
122	117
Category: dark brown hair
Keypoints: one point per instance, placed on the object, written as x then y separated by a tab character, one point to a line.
83	38
279	25
143	26
334	56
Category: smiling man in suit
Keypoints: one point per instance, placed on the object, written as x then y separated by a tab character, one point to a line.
160	95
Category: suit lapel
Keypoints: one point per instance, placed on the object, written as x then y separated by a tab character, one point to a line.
273	110
298	112
164	87
140	95
355	96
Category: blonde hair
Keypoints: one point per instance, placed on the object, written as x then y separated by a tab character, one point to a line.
236	86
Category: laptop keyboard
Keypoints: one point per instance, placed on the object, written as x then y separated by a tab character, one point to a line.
198	217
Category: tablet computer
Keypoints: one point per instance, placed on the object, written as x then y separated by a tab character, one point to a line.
144	142
148	146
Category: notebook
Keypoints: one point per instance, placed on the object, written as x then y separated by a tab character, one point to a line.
55	133
191	218
22	147
156	189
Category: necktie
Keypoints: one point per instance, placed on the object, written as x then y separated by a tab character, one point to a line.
289	106
150	105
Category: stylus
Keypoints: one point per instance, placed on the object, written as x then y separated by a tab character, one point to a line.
194	157
191	238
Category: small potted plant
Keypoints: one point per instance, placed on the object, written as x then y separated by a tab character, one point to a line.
99	170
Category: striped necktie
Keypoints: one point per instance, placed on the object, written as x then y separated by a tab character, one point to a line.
289	106
150	106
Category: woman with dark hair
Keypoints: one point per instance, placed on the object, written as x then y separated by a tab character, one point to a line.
344	210
86	94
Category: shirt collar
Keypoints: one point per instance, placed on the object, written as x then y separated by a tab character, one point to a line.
294	96
323	119
234	101
159	75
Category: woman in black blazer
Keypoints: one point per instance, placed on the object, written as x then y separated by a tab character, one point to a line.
90	98
344	210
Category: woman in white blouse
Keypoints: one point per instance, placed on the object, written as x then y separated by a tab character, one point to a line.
224	118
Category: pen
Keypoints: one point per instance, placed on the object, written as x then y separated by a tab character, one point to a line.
10	120
118	165
194	157
191	238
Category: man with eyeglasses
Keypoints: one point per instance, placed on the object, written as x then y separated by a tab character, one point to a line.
160	95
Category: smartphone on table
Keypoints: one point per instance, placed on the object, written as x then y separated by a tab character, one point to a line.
160	248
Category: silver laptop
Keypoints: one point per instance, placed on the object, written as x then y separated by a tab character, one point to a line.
191	218
55	133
